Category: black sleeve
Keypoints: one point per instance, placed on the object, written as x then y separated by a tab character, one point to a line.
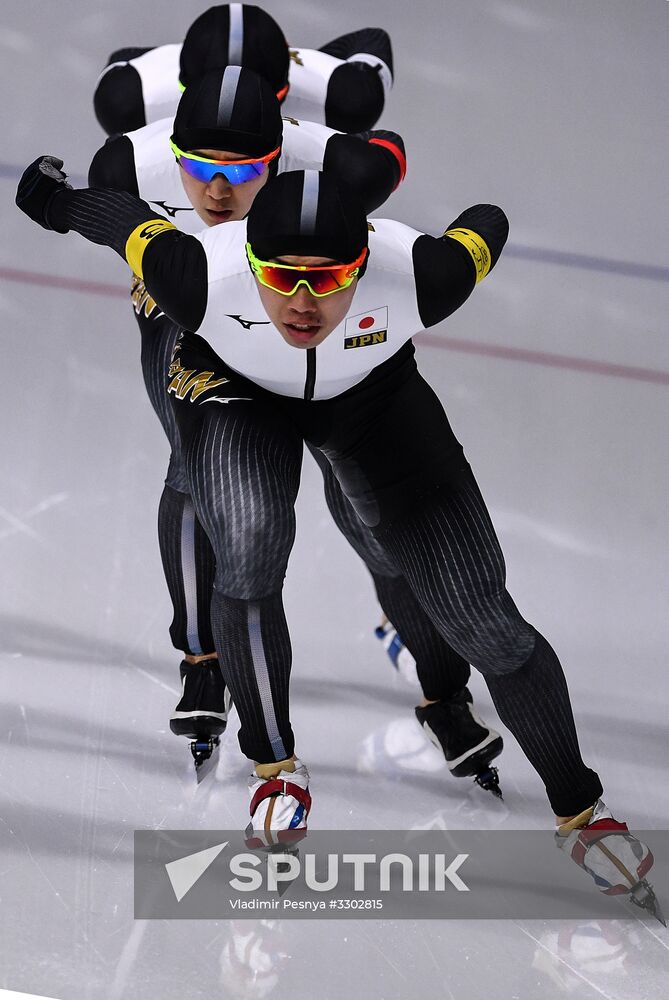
173	264
373	41
125	55
372	163
119	101
445	270
175	273
113	166
355	97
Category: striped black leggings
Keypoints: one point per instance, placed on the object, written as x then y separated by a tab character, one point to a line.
188	557
392	451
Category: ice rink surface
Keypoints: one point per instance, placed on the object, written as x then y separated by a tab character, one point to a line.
556	378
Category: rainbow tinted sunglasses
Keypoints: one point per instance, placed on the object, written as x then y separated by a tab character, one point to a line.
235	171
287	278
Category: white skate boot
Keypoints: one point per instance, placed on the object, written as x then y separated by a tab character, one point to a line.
280	803
607	851
398	654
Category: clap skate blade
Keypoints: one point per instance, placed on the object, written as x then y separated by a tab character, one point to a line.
643	896
205	755
488	779
642	893
479	767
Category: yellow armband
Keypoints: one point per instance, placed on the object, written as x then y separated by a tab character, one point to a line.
138	240
476	247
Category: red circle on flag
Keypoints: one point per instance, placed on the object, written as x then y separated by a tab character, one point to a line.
365	323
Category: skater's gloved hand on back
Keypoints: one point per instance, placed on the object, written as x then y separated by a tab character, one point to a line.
42	182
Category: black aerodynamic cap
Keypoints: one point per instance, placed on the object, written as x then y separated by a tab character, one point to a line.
307	213
232	109
235	34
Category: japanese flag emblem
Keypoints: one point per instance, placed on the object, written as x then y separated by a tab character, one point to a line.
366	329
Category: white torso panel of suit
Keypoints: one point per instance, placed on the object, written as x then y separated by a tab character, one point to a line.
158	70
159	175
308	76
383	315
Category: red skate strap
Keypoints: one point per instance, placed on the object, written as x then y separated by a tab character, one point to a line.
589	835
598	831
277	836
602	828
254	843
277	786
645	865
290	836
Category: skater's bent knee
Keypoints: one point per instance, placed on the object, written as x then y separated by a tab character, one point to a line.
504	652
248	580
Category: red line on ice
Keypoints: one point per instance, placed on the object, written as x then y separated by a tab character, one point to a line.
544	359
519	354
67	284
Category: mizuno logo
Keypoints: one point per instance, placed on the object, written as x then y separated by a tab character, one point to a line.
171	209
225	399
248	323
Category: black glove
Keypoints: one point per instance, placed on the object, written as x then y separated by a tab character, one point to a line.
42	181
